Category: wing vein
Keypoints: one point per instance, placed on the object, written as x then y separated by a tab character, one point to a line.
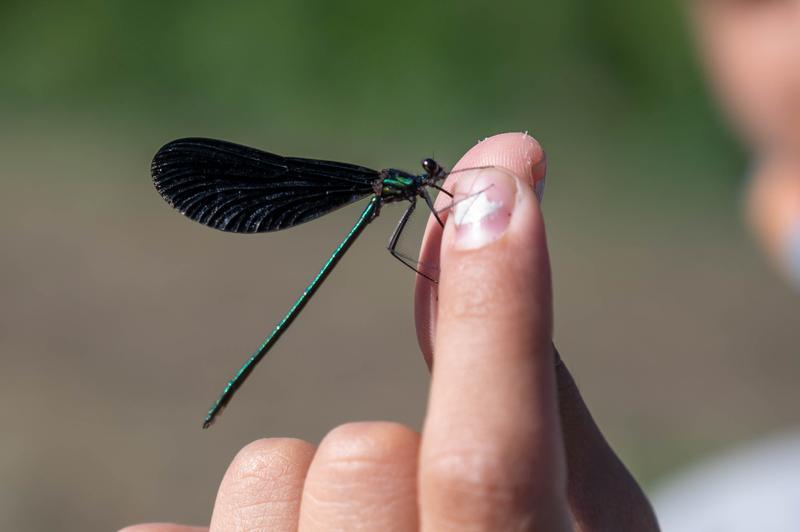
235	188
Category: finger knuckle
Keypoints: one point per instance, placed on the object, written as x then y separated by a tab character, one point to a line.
478	486
262	486
271	459
359	469
464	470
367	444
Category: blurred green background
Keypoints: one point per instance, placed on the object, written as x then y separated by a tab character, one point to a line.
120	320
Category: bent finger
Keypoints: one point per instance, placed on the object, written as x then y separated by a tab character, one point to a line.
602	493
363	477
263	486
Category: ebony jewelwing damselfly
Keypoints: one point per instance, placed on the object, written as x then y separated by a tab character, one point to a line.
238	189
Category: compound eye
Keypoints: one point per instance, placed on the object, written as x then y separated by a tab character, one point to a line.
430	166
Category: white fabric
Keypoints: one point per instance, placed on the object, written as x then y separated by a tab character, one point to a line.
754	489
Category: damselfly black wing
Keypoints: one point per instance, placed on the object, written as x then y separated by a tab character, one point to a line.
239	189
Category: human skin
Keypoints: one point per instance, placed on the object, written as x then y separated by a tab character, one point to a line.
751	50
507	444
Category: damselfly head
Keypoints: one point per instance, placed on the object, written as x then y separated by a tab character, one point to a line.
434	170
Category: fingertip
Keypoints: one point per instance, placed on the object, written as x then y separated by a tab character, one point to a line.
519	153
268	457
367	441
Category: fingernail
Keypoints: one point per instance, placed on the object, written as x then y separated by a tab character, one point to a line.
484	201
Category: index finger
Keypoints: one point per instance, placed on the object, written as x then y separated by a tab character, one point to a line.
492	453
522	156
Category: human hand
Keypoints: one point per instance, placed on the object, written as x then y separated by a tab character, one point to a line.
507	444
